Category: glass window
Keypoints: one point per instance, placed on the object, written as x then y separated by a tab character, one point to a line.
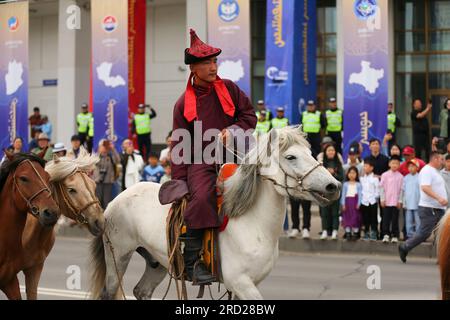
439	80
410	14
439	63
320	66
331	66
259	68
330	18
439	12
330	87
410	63
409	87
330	45
410	41
440	41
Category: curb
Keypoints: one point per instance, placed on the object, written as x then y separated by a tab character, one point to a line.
425	250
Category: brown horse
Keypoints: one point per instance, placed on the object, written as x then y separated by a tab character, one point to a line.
24	187
444	255
74	192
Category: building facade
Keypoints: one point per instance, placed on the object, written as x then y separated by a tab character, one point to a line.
419	50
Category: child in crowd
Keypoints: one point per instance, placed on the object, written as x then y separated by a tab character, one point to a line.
391	185
153	172
330	214
350	202
168	173
369	202
353	161
411	197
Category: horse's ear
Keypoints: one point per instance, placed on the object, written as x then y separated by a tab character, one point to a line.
8	154
42	153
56	158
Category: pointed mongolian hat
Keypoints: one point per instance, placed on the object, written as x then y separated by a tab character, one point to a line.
199	50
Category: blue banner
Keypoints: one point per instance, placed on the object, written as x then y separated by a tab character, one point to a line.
290	78
13	73
366	65
110	70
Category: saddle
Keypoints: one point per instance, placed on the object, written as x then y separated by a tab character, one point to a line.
176	192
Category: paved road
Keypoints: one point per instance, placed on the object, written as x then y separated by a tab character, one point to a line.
296	276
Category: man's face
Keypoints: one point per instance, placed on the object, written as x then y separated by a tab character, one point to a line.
141	110
418	105
84	110
375	147
333	105
390	108
437	162
352	157
280	114
205	70
409	157
76	144
261	106
311	107
447	165
36	113
43	143
368	169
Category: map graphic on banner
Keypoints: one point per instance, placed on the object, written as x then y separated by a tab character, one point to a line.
369	77
13	77
104	74
233	70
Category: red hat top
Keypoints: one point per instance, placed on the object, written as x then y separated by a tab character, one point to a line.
199	50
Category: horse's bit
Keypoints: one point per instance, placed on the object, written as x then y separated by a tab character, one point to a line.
34	210
78	215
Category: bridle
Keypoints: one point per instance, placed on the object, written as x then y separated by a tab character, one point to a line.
29	201
298	178
77	213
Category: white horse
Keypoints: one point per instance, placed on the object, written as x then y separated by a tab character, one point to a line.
254	201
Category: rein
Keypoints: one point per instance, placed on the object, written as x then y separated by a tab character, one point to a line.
77	213
29	201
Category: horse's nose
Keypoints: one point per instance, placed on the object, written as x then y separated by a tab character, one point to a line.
331	188
49	216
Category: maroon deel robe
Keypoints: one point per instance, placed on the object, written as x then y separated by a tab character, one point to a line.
201	211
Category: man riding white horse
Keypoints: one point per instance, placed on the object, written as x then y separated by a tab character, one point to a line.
215	104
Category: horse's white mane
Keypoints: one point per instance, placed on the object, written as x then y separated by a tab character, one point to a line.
60	168
241	188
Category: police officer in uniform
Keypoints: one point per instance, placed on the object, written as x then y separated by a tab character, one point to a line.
83	122
262	107
280	121
335	124
393	123
313	121
263	125
90	137
142	128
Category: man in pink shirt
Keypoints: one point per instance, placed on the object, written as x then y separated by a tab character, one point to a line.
391	200
410	154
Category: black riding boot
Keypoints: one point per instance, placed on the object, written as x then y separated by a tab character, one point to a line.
196	270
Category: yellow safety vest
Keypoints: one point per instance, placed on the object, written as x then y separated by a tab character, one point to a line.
334	120
311	122
262	127
278	123
83	122
391	121
142	122
91	127
267	115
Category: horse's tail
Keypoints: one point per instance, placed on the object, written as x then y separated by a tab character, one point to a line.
444	255
98	266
